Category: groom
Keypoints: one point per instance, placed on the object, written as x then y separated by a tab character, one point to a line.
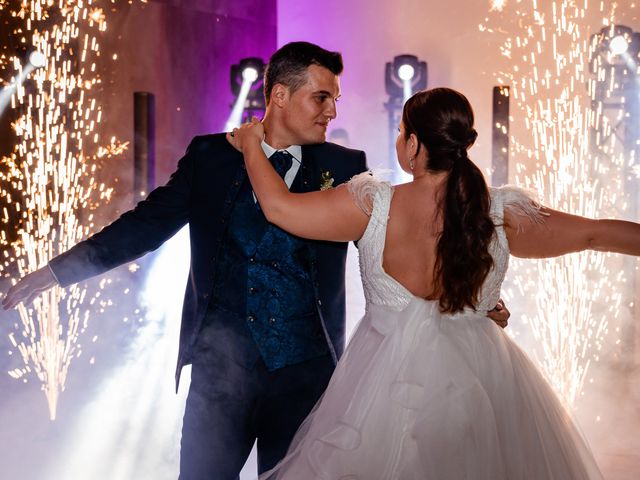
263	315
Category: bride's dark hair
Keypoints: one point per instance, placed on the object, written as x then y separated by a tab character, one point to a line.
442	119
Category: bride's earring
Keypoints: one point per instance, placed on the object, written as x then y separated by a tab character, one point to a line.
412	163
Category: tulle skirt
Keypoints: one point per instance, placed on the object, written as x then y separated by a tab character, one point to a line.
422	395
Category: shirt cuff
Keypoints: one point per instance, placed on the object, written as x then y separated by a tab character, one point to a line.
54	274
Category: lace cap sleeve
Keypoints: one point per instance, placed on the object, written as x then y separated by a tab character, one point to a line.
518	201
363	188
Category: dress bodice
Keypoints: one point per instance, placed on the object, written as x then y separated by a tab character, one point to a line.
374	198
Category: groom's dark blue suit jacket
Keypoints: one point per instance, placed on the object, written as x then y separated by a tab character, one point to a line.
202	192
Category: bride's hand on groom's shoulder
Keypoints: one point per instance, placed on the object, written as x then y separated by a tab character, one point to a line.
245	134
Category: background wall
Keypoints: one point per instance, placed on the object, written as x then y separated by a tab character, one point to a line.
182	52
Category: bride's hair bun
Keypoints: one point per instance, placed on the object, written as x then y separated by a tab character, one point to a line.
471	137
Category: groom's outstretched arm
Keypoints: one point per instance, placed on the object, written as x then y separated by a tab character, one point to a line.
135	233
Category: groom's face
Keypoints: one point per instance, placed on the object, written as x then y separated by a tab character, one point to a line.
309	109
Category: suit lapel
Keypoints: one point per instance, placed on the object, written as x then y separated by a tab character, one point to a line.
301	183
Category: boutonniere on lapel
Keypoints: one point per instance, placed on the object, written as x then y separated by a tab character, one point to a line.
326	181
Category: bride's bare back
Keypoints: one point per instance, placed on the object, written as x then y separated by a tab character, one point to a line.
413	229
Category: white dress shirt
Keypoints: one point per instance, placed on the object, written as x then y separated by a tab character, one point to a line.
295	151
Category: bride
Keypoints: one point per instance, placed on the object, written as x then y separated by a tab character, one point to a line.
428	387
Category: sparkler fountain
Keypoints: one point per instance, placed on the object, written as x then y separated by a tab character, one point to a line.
577	298
52	167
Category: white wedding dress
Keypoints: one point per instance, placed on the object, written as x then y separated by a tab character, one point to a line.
423	395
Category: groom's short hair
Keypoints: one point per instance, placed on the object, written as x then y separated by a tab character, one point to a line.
288	65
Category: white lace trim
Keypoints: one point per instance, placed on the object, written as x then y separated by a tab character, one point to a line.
520	202
374	198
363	188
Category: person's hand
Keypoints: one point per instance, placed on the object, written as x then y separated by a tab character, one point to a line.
252	132
500	314
29	287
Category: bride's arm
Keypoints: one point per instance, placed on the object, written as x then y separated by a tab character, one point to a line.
560	233
324	215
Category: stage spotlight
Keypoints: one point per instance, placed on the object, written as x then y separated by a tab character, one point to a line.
614	62
247	85
404	76
249	70
618	45
33	61
615	88
250	74
37	59
406	72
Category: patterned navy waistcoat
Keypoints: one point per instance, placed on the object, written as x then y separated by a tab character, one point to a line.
264	280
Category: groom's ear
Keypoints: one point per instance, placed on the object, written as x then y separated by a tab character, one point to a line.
280	94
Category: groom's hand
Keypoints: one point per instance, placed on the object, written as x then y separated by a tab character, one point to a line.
29	287
500	314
